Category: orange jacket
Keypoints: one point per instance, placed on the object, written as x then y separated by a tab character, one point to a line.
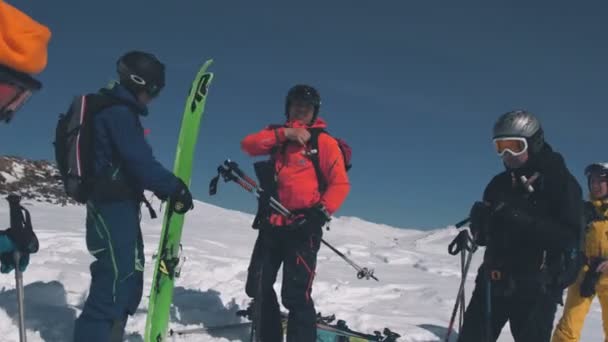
297	182
23	41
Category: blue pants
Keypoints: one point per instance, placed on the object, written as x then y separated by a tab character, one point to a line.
114	239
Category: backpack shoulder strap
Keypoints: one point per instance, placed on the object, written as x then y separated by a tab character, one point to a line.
96	102
314	157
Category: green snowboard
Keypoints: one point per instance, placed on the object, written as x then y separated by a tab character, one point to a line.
168	257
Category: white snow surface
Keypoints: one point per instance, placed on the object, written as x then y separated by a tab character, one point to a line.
415	295
8	177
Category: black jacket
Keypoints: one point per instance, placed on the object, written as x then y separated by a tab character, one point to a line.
554	211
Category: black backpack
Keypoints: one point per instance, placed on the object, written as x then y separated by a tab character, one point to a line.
314	156
74	137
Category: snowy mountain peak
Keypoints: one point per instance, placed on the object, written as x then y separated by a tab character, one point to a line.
33	180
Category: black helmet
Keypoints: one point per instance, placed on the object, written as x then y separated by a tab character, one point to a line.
521	124
140	71
600	169
306	94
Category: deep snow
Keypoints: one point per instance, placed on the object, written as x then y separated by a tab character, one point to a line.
415	295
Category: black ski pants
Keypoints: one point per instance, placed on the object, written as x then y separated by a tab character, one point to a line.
297	252
530	314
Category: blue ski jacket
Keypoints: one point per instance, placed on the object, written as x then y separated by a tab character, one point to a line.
119	139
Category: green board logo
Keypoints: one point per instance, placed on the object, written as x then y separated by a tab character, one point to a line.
201	91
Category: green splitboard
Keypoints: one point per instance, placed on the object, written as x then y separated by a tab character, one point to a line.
167	260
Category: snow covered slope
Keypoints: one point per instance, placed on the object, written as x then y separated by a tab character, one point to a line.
35	180
415	295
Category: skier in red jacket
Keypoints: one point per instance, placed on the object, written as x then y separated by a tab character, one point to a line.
301	188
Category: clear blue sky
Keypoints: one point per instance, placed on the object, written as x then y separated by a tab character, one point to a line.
414	86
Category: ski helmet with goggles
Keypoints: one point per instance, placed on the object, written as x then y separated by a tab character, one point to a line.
517	132
15	89
141	71
303	94
599	170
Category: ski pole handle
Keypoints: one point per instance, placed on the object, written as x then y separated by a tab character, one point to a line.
231	165
245	185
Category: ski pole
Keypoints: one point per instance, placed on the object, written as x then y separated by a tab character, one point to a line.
18	222
229	165
463	222
459	296
231	171
362	272
462	299
20	301
462	243
488	337
253	189
235	167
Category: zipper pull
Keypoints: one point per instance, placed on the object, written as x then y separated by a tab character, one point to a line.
310	152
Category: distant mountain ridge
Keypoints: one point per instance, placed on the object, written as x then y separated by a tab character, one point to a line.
36	180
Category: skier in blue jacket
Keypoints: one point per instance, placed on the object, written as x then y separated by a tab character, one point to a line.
124	168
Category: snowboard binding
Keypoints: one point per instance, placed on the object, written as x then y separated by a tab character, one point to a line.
387	335
172	267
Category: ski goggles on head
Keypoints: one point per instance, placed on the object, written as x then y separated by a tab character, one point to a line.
15	89
516	146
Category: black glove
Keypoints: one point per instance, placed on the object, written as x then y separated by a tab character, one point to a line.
480	216
181	199
313	217
7	262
